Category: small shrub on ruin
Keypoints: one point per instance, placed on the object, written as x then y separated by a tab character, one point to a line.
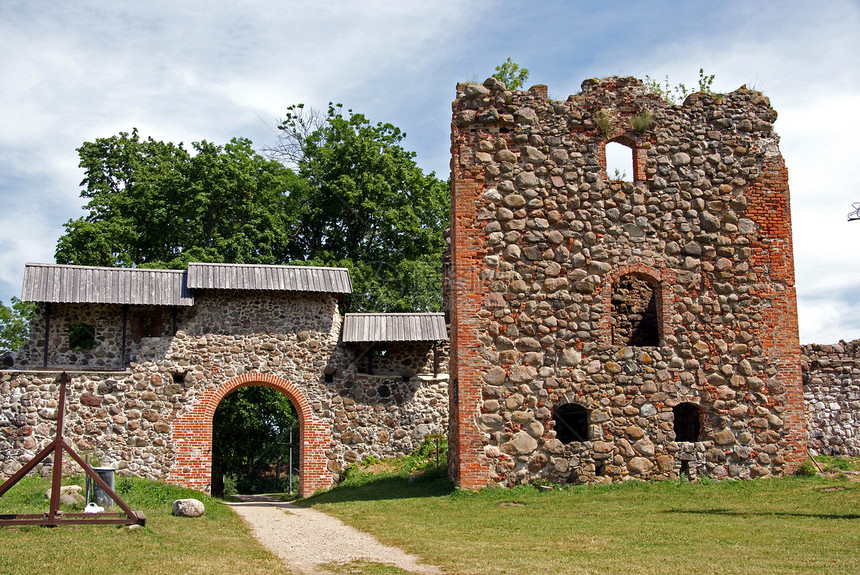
603	121
642	121
511	74
677	93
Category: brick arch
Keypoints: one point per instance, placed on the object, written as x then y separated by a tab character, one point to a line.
661	280
192	436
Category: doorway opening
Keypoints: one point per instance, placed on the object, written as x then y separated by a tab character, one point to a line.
255	443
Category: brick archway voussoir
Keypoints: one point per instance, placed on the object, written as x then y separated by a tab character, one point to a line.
192	436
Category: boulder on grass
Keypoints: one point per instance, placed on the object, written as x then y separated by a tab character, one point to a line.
69	494
188	508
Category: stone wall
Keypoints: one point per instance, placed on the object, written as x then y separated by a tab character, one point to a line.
542	243
142	324
831	391
153	417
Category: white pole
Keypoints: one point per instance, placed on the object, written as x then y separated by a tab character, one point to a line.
291	460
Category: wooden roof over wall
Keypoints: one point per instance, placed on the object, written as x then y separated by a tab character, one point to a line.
86	284
380	327
272	278
56	283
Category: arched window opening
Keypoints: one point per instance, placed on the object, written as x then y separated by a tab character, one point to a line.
619	162
686	422
255	442
634	313
571	422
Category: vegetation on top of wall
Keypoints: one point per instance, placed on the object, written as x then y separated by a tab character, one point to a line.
677	93
511	74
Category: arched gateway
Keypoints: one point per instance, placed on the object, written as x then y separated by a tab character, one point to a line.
192	436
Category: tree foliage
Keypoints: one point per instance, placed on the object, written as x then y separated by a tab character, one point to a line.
354	198
154	204
510	73
364	204
15	324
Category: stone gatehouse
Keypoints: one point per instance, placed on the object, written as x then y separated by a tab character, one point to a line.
152	352
604	329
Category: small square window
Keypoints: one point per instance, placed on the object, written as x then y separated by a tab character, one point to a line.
82	336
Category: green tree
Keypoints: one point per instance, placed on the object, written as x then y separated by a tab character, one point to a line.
510	73
359	200
154	204
363	203
15	324
250	433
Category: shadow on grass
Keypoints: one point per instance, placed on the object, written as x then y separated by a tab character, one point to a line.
434	483
731	513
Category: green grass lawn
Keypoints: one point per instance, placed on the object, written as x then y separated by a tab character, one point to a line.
217	542
774	526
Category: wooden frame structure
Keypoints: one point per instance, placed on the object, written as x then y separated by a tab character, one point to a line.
55	515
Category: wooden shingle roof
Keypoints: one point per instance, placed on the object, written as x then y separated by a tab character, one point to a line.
86	284
272	278
379	327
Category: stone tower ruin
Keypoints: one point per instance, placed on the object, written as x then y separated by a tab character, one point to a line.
602	329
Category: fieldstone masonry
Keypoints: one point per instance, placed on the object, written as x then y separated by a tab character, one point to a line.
601	330
831	390
153	417
552	263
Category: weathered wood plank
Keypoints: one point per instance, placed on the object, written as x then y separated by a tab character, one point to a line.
270	278
380	327
83	284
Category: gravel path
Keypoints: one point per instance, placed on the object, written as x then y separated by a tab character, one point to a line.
306	539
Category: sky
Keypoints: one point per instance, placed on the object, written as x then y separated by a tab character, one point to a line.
185	71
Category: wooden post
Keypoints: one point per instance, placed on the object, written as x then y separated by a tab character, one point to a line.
57	475
47	332
124	325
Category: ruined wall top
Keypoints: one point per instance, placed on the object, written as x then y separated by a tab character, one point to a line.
628	95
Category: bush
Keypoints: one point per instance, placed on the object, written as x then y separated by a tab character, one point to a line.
642	122
807	469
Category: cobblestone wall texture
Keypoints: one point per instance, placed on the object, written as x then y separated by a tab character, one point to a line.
541	240
154	418
831	391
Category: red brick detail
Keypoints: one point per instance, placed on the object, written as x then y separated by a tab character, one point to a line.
192	437
467	465
663	280
625	139
773	256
